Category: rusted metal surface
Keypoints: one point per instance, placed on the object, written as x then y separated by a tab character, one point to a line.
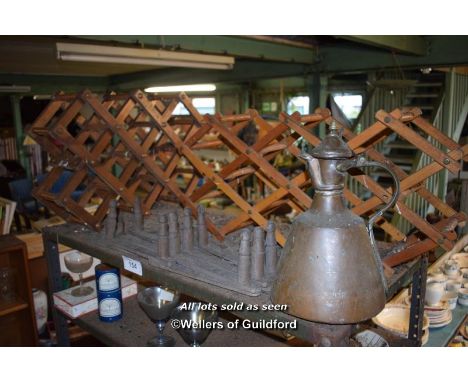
330	270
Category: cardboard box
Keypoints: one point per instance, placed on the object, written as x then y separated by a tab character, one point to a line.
35	245
74	307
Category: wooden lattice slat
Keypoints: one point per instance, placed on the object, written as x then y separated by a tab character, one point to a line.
132	144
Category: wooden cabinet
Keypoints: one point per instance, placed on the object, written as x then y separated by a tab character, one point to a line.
17	319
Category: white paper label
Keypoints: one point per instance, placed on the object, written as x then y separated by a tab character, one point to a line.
108	281
110	307
132	265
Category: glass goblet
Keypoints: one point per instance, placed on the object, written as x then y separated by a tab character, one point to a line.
78	262
158	303
195	335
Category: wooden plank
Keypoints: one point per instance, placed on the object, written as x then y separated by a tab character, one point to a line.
423	192
435	133
418	141
415	247
416	178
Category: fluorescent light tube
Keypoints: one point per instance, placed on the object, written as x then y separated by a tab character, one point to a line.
14	89
136	56
181	88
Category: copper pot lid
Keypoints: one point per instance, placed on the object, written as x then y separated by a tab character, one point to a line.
332	146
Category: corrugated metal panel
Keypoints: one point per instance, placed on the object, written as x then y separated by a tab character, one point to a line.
382	98
448	118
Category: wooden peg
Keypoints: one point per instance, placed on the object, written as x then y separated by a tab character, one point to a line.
137	214
202	229
174	234
258	254
126	218
195	232
187	239
111	221
120	225
271	256
243	265
163	238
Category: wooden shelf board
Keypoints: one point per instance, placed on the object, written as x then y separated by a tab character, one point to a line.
135	329
86	242
12	307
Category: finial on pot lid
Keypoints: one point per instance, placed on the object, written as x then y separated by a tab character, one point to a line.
332	146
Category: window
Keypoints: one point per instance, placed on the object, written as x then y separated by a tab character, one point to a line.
300	104
205	105
350	104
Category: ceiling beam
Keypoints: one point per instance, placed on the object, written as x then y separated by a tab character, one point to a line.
243	71
238	46
414	45
442	51
50	84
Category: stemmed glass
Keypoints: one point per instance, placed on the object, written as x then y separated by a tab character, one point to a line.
158	303
78	262
197	334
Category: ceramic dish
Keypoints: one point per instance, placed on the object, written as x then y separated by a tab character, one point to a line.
440	317
440	277
441	305
462	301
446	316
395	318
451	298
464	330
455	276
442	324
453	285
461	258
464	272
451	267
463	293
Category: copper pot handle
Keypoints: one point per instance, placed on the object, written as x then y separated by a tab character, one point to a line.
362	162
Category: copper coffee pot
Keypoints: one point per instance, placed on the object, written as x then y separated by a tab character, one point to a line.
330	270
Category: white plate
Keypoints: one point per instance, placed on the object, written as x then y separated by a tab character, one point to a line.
441	319
395	318
441	324
462	301
438	313
441	305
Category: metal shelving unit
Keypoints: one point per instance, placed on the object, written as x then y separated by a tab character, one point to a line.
74	236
